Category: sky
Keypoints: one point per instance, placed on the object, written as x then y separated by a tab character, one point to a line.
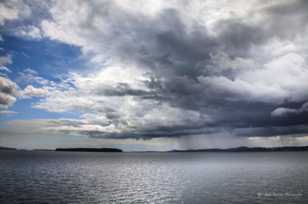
153	74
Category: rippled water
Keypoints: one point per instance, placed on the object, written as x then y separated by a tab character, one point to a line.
72	177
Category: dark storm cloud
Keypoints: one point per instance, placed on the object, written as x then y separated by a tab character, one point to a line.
154	132
193	70
179	56
186	75
123	89
295	130
291	115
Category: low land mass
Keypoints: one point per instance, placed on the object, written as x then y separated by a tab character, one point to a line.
249	149
7	148
89	149
235	149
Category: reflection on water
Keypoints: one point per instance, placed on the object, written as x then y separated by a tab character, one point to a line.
72	177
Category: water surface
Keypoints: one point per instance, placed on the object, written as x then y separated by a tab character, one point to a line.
73	177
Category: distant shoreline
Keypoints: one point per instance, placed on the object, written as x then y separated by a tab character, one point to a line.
250	149
7	148
235	149
88	150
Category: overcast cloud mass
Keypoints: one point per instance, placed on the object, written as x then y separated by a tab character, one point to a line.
189	72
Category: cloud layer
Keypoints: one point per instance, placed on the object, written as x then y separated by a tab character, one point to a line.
8	88
176	68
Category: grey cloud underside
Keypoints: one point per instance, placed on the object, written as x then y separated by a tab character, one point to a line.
8	93
181	56
192	69
8	89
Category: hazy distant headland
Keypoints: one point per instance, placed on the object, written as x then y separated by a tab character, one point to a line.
249	149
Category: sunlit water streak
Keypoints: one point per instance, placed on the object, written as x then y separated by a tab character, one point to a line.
72	177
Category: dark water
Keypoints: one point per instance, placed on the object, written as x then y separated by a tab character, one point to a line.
72	177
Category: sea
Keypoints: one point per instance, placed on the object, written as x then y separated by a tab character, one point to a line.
157	177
